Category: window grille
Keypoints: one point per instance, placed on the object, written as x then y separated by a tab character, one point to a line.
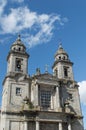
45	99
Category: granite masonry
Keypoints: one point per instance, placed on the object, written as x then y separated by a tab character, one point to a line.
43	101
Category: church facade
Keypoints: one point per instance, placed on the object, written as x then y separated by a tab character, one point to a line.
43	101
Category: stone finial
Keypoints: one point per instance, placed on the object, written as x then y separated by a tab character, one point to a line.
46	68
60	45
27	104
19	37
67	108
66	104
38	71
26	100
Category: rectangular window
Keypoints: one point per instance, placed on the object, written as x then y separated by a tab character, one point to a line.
18	91
45	99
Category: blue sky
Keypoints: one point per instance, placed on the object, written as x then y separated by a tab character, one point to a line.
42	25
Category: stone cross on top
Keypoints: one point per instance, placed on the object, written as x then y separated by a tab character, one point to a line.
46	68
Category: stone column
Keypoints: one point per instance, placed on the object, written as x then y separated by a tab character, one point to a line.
11	65
57	102
57	89
36	95
69	127
60	125
25	125
37	125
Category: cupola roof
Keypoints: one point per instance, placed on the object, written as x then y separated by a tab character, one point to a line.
61	51
18	42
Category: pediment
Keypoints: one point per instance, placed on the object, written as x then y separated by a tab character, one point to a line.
46	78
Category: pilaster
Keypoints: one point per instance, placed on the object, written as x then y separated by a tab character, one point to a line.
36	95
25	125
57	98
37	125
60	126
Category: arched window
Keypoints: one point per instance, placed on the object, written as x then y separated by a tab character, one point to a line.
65	72
59	57
63	57
19	48
18	64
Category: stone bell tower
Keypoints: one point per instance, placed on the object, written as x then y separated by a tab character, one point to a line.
62	66
15	85
68	89
17	58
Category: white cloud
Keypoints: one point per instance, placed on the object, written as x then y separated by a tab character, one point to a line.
2	5
82	91
17	20
40	26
